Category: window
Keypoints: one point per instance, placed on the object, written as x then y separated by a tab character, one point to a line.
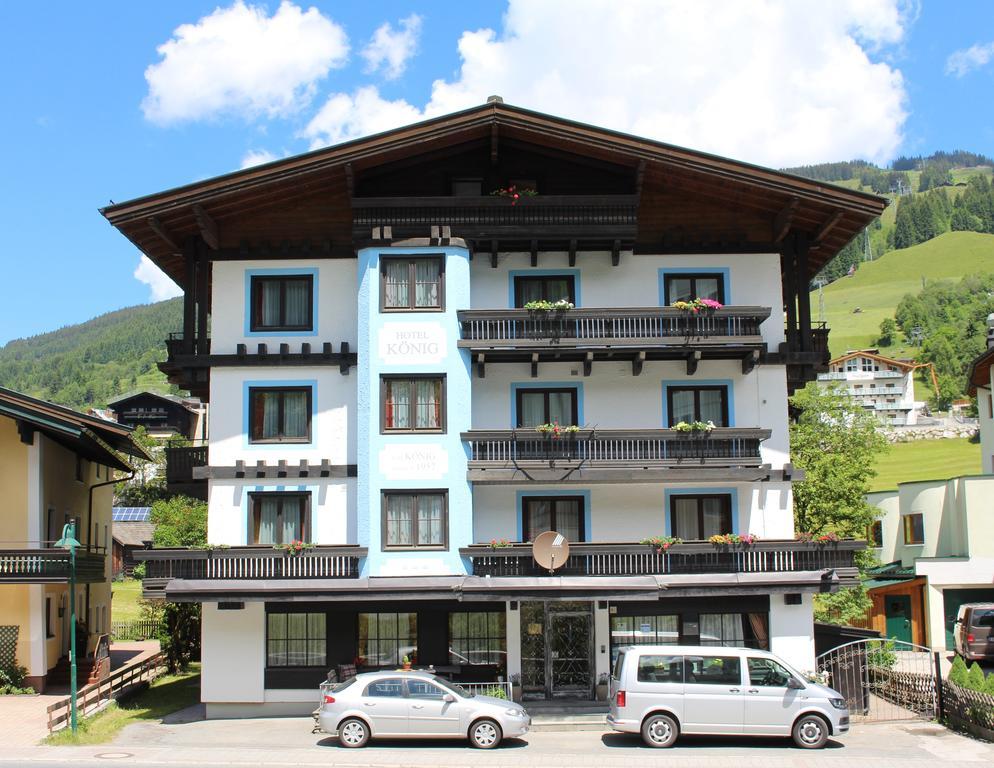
868	364
415	520
696	518
422	689
412	284
543	288
697	404
478	638
413	404
852	365
705	285
280	415
390	688
713	670
643	630
735	630
49	632
467	187
296	640
551	513
279	518
386	638
767	673
875	533
914	529
660	669
545	406
282	303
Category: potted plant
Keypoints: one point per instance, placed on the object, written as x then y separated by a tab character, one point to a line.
661	543
544	306
406	662
697	306
822	539
602	686
514	193
694	428
730	539
499	543
555	430
294	548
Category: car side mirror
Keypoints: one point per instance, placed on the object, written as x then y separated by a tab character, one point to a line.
795	684
448	698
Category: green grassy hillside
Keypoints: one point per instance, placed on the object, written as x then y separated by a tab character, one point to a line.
925	460
878	286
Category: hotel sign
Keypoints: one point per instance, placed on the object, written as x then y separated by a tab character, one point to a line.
412	343
408	461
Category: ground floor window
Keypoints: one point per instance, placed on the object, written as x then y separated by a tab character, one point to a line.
386	638
478	638
644	630
296	640
735	630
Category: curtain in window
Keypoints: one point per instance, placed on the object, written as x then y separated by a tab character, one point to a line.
722	629
270	303
568	518
714	519
429	395
528	290
680	290
398	404
711	406
296	642
561	407
757	622
683	406
539	518
685	519
532	409
298	294
426	280
292	519
430	520
396	287
295	414
708	288
268	512
276	636
558	288
400	519
269	404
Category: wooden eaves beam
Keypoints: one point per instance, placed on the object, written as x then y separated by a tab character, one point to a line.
164	234
207	226
827	226
781	224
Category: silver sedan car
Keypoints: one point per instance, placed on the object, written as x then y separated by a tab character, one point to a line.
418	705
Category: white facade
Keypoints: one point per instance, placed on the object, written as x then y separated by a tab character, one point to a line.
880	385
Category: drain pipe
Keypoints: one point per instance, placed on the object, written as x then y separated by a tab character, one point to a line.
89	528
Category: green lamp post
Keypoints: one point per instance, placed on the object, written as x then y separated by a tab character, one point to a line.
68	541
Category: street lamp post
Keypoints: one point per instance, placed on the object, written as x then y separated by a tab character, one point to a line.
68	541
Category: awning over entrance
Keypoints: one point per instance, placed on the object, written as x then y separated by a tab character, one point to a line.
481	588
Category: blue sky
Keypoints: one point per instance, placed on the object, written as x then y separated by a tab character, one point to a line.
108	100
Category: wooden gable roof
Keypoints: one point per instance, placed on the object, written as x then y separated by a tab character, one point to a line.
872	356
685	196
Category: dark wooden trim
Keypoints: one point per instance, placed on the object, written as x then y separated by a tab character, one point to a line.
415	493
203	297
255	391
554	499
256	497
255	321
207	226
781	224
443	416
723	389
520	280
669	277
546	391
282	469
726	510
190	296
385	258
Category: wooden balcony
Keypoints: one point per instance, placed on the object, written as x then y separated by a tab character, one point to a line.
50	566
258	563
805	358
552	221
604	559
180	463
613	333
617	455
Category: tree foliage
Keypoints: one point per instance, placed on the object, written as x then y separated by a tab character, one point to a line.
179	522
836	443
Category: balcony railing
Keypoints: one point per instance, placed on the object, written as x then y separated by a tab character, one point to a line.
843	375
594	448
613	325
50	565
603	559
181	460
247	563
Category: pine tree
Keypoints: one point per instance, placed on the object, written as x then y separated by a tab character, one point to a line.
976	680
958	674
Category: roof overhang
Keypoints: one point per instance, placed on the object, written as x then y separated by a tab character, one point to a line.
980	372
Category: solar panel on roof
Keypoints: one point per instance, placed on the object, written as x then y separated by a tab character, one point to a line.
131	514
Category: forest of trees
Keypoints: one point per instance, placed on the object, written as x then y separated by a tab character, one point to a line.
922	217
88	364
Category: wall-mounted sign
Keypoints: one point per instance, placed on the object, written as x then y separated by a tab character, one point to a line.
400	566
534	629
645	628
414	461
412	343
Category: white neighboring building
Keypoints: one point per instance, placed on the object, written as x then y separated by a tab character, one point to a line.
879	384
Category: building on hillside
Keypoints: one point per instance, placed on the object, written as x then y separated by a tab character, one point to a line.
881	385
163	416
384	386
132	530
56	465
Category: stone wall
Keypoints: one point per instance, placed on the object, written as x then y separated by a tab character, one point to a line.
932	432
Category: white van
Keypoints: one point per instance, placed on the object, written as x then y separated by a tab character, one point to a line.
662	691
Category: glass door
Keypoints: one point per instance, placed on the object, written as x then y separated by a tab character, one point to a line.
557	650
570	642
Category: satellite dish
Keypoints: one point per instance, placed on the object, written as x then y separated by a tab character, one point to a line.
550	550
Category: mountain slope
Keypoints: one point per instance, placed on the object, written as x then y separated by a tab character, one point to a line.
90	363
879	285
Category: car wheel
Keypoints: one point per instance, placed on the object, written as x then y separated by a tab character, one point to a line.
485	734
810	732
660	731
353	733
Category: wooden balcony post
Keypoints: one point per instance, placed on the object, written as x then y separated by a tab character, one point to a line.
189	294
803	294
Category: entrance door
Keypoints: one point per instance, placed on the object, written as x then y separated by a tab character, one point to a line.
898	615
569	654
557	650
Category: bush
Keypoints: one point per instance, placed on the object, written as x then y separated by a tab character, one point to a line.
990	685
958	674
139	571
12	680
976	680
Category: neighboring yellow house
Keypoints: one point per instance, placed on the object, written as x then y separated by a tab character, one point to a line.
56	465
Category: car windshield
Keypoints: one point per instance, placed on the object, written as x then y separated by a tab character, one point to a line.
454	687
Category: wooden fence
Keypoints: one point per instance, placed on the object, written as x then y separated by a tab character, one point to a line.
117	684
968	710
139	629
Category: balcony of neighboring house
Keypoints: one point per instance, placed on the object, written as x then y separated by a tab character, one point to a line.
189	359
843	375
51	565
181	461
618	455
616	333
496	223
246	567
699	558
806	355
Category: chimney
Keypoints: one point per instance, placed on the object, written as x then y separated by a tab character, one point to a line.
494	100
990	331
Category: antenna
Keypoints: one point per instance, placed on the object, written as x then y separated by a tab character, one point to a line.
550	550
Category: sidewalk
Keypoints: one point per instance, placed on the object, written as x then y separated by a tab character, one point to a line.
24	719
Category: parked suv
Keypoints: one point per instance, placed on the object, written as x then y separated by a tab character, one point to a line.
662	691
973	632
418	705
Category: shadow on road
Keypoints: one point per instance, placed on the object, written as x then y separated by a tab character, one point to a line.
633	741
387	744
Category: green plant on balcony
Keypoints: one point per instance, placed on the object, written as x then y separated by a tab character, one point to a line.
542	305
661	543
514	193
694	427
499	543
731	539
294	548
698	305
555	430
821	538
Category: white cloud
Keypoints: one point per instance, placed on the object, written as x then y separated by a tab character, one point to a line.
257	157
241	61
966	60
160	286
779	83
390	49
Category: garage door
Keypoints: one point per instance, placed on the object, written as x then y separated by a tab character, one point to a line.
952	599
